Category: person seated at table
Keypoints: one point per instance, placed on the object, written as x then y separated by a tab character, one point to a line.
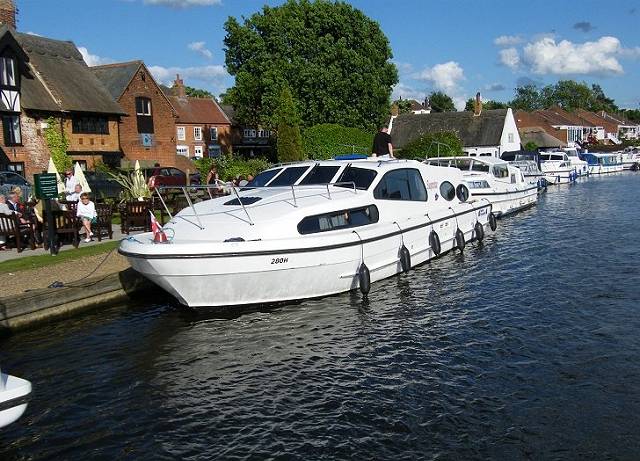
87	213
75	195
4	209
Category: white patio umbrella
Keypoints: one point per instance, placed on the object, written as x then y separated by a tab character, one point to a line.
139	185
80	178
52	169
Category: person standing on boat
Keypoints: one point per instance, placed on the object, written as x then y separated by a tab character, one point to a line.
382	143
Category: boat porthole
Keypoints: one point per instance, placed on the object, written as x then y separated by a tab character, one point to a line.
460	243
462	192
447	191
434	243
479	229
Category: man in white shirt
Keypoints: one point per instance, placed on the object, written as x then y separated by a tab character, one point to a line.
69	183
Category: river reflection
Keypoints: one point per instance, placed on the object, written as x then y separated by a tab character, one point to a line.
524	347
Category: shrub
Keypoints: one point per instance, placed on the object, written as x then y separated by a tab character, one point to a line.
531	146
229	166
442	143
328	140
289	139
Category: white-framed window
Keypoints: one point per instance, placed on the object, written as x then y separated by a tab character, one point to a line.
11	128
182	150
7	71
182	135
246	133
253	133
510	137
214	134
143	106
197	133
198	151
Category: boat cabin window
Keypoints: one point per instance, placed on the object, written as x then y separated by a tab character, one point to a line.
320	175
289	176
463	164
245	201
361	177
337	220
403	184
263	178
500	171
477	166
513	178
462	192
478	184
447	191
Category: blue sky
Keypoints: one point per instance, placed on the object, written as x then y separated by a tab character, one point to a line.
459	47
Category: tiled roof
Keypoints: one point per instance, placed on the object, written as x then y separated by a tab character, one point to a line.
483	130
61	80
116	77
198	110
540	137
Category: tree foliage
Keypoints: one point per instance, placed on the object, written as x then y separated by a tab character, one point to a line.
58	145
632	114
442	143
197	92
328	53
531	146
486	105
403	105
231	166
289	138
441	102
328	140
568	94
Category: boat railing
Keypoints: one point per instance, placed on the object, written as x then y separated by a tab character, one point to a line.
234	191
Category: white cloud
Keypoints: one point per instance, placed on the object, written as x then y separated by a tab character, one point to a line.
93	59
510	58
201	49
508	40
631	53
445	77
545	56
213	76
182	3
403	67
404	91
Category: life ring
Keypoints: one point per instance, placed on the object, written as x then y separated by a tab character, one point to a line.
493	222
479	229
405	259
364	279
460	243
434	243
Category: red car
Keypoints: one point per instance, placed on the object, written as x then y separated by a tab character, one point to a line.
167	176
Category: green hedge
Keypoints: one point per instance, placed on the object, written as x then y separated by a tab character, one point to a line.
426	146
229	166
327	140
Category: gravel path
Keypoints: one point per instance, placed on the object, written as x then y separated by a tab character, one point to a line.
69	271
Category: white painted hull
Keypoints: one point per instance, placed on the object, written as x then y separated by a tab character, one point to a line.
559	177
12	390
503	204
605	169
239	279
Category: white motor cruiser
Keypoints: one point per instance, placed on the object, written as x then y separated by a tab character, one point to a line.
581	167
308	230
495	180
14	395
557	168
631	158
600	163
529	163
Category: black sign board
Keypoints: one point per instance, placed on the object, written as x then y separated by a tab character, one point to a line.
46	185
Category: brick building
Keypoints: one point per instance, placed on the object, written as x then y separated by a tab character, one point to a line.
249	140
43	78
148	133
202	128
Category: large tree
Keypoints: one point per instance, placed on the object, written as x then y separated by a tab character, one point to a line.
569	94
441	102
486	105
334	58
527	97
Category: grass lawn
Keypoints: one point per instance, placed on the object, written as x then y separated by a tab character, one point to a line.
33	262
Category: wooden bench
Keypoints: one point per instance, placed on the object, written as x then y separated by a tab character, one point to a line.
65	223
103	226
12	228
135	216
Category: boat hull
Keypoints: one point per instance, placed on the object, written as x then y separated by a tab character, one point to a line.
13	398
605	169
509	202
237	279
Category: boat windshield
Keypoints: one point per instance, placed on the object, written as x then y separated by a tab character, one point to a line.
462	164
477	166
361	177
263	178
320	175
289	176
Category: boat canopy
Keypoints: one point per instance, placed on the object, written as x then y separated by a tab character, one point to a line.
516	155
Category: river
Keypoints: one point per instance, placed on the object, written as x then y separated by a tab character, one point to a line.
525	347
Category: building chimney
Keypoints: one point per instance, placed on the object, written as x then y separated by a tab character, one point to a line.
179	88
426	103
8	13
477	105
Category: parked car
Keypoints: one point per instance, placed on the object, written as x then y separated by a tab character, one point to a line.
10	179
102	185
168	176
